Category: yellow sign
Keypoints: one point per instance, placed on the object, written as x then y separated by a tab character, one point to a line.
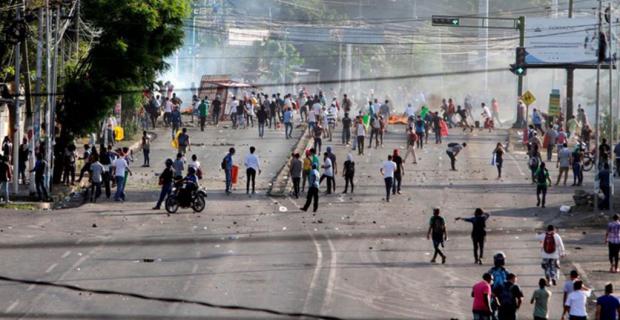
528	98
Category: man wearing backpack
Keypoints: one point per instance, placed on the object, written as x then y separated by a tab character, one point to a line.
551	251
437	229
478	232
542	180
500	275
510	298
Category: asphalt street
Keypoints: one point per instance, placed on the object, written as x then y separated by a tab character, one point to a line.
358	257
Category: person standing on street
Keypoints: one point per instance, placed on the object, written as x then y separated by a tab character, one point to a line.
261	117
179	166
252	164
217	108
360	129
146	149
551	250
537	121
540	299
612	238
175	119
203	113
313	189
39	169
288	123
577	161
227	166
510	298
542	180
549	142
481	292
166	180
387	171
183	142
438	233
348	172
412	138
453	150
495	111
604	178
317	134
332	157
575	305
375	125
499	159
120	166
295	171
607	306
307	168
564	163
478	232
328	172
96	178
398	173
346	129
420	128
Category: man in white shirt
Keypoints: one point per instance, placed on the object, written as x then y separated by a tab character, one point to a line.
328	172
233	111
551	250
167	111
120	167
409	111
387	171
252	164
575	305
360	130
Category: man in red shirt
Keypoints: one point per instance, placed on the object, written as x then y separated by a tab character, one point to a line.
481	292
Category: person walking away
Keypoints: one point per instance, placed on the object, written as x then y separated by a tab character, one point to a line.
551	250
252	164
398	173
604	177
96	178
577	161
437	128
549	142
540	300
607	306
419	131
227	165
375	125
307	166
612	238
166	181
348	172
500	275
288	123
560	139
605	151
564	163
184	142
24	152
571	127
575	305
586	135
537	121
481	292
412	138
120	166
328	172
453	150
438	233
478	232
542	183
568	285
232	112
106	159
167	111
498	155
313	189
317	135
361	136
203	113
179	166
495	111
261	117
346	129
39	169
387	171
217	108
295	171
510	298
175	118
146	149
533	163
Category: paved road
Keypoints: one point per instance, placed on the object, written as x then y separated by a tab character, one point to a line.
358	257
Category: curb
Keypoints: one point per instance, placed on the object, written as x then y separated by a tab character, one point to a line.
277	189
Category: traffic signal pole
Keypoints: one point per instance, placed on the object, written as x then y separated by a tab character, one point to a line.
521	44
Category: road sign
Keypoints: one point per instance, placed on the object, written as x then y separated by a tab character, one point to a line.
528	98
554	103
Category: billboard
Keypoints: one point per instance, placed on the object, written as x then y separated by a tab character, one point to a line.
561	40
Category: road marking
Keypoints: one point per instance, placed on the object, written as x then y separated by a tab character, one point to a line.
517	163
66	254
316	272
12	306
51	268
331	279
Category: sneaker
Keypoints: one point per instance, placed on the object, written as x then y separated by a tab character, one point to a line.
443	260
433	261
156	208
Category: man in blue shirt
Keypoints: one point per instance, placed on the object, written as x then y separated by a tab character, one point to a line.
227	165
537	121
175	119
288	123
607	306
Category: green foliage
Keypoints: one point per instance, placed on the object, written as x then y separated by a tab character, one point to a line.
136	37
275	58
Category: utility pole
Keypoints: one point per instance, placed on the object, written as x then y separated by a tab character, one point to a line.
570	76
611	109
16	139
483	11
48	111
597	115
77	29
36	118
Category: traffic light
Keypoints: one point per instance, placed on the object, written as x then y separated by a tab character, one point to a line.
446	21
518	70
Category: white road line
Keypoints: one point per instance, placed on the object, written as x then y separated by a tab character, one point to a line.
315	273
517	163
12	306
51	268
66	254
331	279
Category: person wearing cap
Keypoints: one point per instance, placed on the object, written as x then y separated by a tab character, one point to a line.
166	179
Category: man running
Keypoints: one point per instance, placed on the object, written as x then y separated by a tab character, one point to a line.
453	150
543	181
551	250
166	179
387	171
478	232
438	233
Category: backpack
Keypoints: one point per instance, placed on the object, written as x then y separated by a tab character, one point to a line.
549	243
499	276
533	162
437	224
350	167
412	138
506	298
223	164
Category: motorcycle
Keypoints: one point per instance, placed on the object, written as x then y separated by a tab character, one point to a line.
186	195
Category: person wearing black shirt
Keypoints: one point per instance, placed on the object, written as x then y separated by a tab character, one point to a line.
217	108
346	129
605	150
604	183
348	172
166	180
398	173
478	232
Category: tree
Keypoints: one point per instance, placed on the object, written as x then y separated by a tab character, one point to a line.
136	36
